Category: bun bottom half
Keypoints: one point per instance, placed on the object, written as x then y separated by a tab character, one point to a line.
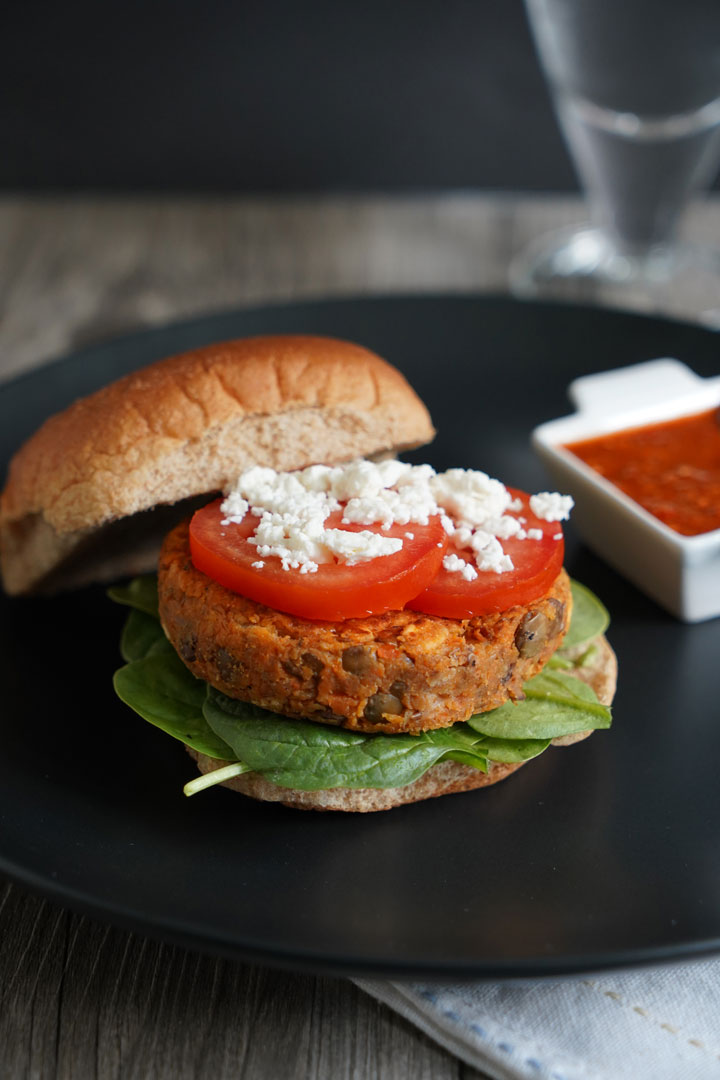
442	779
445	778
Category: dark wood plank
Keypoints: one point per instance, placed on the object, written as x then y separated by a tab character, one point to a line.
83	999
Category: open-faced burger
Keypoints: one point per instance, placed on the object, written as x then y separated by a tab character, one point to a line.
331	627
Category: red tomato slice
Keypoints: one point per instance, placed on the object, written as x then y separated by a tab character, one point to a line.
537	563
335	591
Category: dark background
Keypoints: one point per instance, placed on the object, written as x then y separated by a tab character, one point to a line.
282	95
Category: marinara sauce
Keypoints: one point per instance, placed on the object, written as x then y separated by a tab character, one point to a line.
672	469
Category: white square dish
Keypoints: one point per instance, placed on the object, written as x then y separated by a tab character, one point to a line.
682	573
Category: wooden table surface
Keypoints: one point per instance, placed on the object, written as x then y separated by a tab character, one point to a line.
82	999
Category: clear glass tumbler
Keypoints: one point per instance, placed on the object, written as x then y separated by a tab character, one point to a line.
636	88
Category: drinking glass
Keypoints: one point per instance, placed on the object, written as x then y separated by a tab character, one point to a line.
636	89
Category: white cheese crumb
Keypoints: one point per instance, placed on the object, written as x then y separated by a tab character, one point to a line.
550	506
258	565
292	509
456	565
489	555
354	547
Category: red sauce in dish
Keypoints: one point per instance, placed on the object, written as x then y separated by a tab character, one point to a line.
672	469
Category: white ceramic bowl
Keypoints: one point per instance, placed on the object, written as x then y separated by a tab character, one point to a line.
680	572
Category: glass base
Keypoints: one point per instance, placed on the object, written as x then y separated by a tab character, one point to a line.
582	265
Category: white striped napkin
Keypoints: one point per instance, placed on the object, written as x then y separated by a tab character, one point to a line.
658	1023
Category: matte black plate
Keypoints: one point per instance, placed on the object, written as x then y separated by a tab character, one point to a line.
605	853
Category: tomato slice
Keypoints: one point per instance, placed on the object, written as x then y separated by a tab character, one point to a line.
336	590
537	563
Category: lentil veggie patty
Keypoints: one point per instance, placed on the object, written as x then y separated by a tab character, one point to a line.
401	671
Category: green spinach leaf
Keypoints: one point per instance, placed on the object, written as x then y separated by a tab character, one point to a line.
510	750
589	617
161	689
309	756
142	635
555	704
140	593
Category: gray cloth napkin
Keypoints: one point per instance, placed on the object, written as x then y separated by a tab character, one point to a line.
652	1024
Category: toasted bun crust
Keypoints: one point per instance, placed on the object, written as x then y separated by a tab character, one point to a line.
186	426
441	779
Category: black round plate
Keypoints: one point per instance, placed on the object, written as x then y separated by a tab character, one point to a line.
601	854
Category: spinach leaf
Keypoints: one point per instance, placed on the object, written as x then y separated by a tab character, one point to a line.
161	689
589	617
559	662
509	750
142	635
309	756
140	593
462	743
555	704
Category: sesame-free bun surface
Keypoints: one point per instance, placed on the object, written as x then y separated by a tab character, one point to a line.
445	778
186	427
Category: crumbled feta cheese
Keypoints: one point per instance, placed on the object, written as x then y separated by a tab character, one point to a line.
550	506
354	547
408	503
456	565
490	556
507	526
292	509
470	496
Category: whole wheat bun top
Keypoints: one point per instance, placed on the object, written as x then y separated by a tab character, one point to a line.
185	427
